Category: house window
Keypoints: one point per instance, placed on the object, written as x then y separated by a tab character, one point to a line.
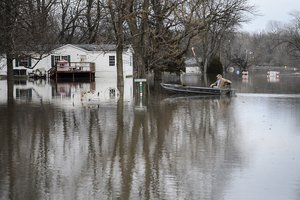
58	58
20	72
24	94
65	58
55	59
112	61
23	61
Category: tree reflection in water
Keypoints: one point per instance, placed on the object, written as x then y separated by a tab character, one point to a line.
172	149
167	147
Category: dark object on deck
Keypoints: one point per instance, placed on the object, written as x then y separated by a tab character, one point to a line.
176	88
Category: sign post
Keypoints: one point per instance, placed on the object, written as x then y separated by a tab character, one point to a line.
141	85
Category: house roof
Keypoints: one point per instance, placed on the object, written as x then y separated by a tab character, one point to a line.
96	47
190	61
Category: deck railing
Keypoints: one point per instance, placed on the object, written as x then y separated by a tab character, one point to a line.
76	67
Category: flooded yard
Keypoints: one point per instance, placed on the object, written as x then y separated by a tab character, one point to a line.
77	141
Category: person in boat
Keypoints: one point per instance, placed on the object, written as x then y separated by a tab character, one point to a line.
221	82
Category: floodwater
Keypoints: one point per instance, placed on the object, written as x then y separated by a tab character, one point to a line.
67	141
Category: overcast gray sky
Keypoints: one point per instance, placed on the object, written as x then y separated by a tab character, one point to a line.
272	10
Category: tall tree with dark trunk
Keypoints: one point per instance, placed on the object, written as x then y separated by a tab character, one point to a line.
9	21
25	28
117	13
161	31
160	34
137	20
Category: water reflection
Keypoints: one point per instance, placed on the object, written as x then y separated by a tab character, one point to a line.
261	82
56	145
253	82
67	93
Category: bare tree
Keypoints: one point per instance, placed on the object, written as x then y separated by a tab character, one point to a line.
240	53
161	32
69	16
25	27
221	18
292	36
84	21
117	14
137	20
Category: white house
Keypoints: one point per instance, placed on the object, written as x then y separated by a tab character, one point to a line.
103	56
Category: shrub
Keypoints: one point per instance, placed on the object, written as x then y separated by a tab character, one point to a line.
215	66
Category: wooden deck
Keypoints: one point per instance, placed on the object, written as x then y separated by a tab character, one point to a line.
73	71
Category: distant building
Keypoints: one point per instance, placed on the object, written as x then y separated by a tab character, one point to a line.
191	66
103	57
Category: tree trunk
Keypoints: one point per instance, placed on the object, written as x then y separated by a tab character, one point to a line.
139	29
10	79
141	69
117	17
120	75
157	75
205	65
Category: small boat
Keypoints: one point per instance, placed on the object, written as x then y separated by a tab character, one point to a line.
176	88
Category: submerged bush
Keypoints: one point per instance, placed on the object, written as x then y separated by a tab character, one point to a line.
215	66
